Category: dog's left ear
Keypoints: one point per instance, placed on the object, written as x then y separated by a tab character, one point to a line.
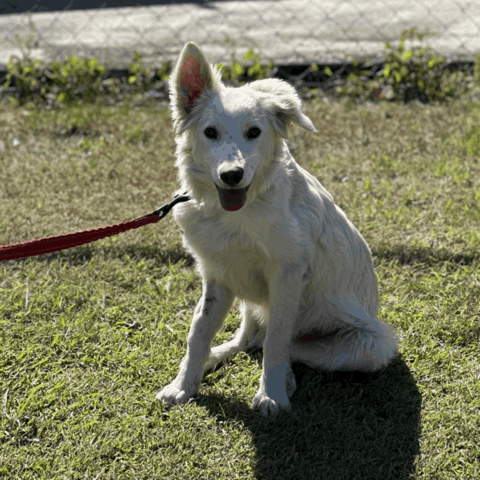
282	103
191	77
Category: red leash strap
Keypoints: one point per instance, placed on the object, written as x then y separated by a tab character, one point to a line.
69	240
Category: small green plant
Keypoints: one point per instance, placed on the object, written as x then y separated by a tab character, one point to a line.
58	83
234	72
258	69
237	73
27	43
476	68
138	72
143	76
416	72
409	73
26	76
358	83
76	78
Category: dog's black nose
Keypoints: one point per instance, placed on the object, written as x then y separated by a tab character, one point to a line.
232	177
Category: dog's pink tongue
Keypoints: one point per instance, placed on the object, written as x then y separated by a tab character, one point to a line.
233	199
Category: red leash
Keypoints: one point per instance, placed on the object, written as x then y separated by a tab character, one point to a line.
69	240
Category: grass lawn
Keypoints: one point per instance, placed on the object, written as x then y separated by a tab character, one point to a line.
88	336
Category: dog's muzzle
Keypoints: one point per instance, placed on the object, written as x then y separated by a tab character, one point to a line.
232	199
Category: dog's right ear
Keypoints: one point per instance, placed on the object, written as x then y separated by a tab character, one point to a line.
282	104
191	77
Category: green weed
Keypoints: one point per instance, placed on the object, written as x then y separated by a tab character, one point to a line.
237	73
409	71
76	80
144	76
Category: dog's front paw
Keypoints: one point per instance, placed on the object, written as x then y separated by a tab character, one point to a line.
173	394
268	406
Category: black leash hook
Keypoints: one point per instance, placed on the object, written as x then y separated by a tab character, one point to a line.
165	209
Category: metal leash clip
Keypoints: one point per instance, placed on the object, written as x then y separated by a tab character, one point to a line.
165	209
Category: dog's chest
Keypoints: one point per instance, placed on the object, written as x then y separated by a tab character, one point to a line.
243	271
235	257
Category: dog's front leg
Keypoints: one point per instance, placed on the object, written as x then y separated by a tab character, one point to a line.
209	315
277	382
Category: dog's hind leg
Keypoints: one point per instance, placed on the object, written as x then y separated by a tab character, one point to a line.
360	342
250	334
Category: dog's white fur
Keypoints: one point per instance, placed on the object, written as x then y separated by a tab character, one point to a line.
289	254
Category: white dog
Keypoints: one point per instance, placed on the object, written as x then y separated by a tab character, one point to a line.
264	230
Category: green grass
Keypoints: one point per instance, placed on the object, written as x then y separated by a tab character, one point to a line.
89	335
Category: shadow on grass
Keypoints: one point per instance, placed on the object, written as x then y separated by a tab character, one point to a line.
405	254
341	426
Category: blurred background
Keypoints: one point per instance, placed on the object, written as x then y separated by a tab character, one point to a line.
284	31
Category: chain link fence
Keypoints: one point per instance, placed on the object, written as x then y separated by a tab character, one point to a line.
288	32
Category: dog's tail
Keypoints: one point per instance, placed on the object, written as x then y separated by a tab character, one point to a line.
361	343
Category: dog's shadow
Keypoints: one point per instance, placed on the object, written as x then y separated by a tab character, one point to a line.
341	426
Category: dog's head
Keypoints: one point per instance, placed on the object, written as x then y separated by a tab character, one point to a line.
229	132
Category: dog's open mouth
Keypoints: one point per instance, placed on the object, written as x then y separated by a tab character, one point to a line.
232	199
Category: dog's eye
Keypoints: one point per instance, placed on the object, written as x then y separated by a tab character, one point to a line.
211	133
253	133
